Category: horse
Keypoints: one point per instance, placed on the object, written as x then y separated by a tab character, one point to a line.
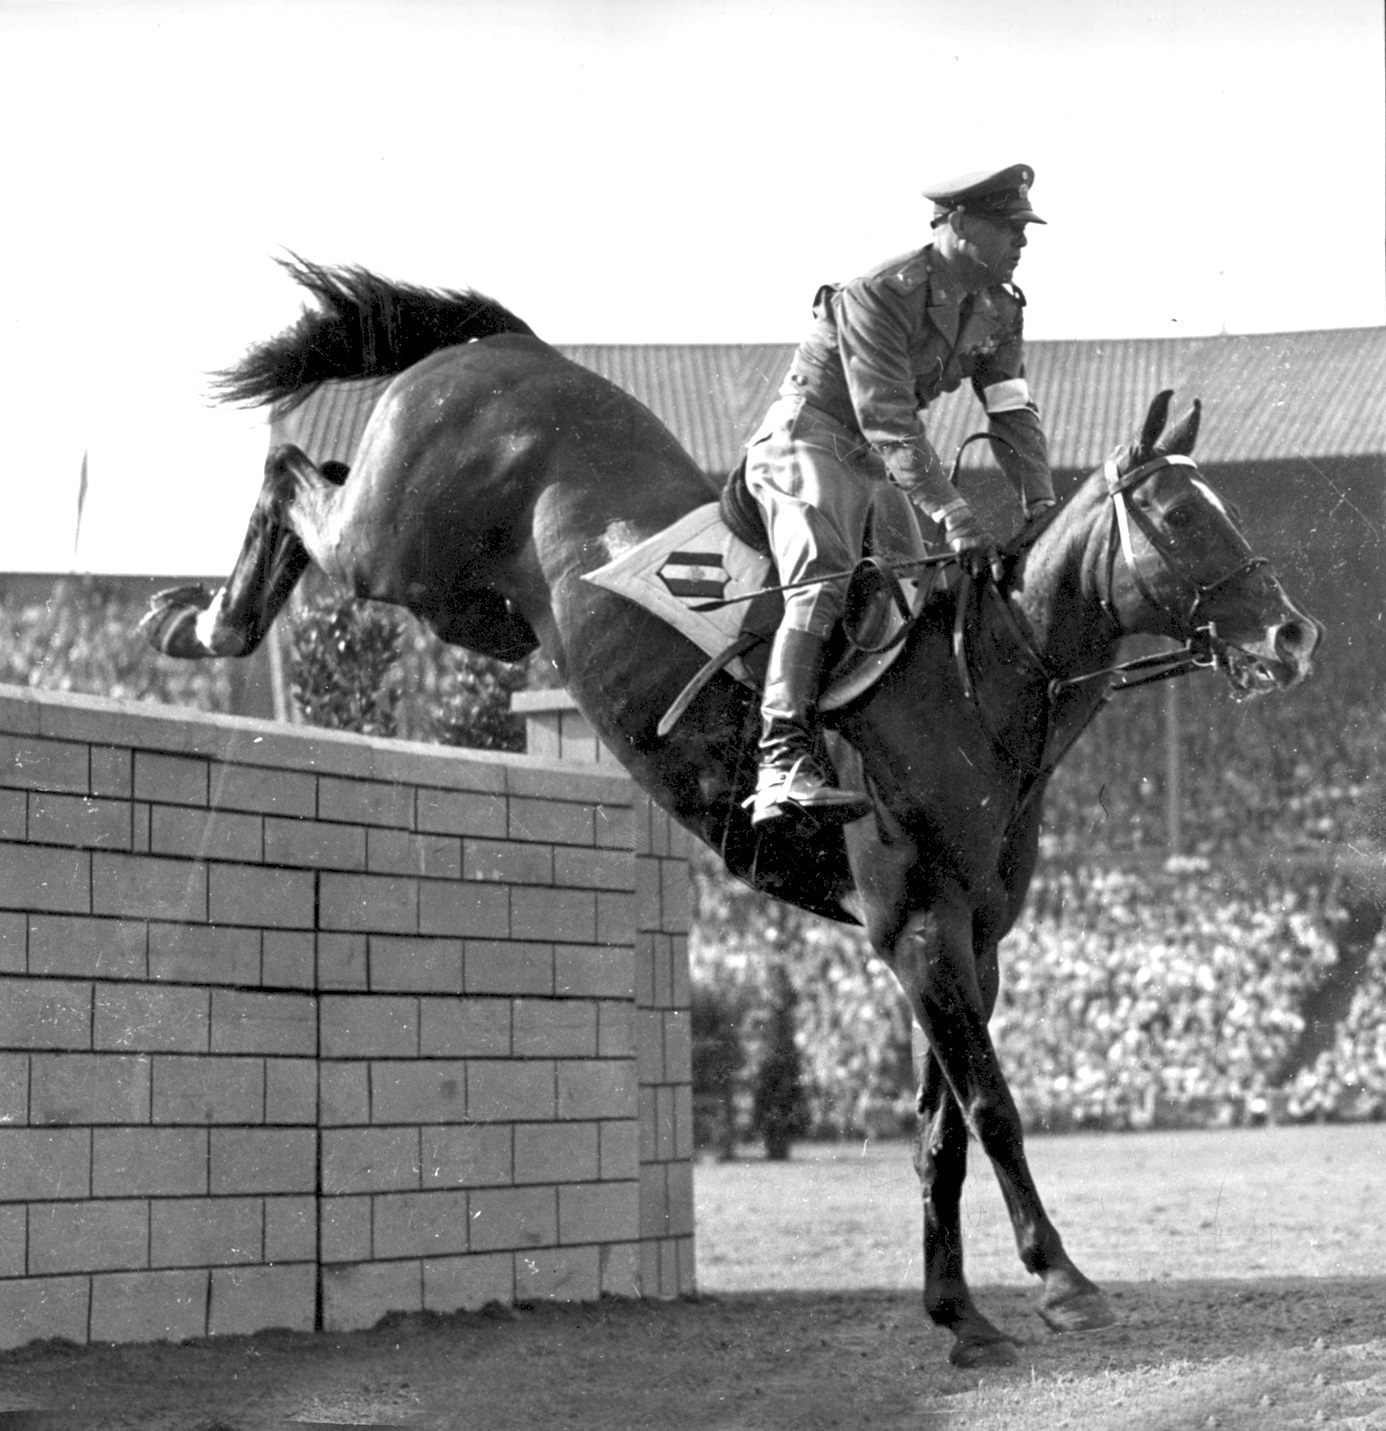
495	474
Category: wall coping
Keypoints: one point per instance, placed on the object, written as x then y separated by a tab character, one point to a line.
245	740
537	702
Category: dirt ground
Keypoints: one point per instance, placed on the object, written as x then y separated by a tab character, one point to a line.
1248	1271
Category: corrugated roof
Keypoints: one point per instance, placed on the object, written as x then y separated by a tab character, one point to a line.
1267	397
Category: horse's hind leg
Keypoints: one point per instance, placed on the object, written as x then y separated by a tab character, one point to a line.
191	622
940	1159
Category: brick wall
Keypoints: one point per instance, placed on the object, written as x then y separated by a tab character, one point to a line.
299	1028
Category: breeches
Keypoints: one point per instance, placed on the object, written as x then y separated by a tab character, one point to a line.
815	481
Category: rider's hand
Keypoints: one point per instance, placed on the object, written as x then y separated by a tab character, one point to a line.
969	537
1038	508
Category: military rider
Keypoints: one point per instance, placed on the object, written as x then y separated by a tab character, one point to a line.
849	413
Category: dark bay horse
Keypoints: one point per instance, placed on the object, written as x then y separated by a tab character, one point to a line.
494	473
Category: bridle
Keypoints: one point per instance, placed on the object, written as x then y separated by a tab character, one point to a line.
1202	647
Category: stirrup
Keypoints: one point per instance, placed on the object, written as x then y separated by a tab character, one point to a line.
800	792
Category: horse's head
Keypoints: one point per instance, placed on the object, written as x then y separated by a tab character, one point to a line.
1177	565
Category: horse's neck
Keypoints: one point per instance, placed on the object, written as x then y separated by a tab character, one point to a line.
1058	585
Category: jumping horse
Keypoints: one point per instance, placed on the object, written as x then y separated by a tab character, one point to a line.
494	474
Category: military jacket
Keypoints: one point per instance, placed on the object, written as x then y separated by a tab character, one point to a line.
885	345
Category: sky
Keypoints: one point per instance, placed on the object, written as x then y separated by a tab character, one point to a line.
620	171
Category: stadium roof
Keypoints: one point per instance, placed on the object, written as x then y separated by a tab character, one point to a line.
1267	397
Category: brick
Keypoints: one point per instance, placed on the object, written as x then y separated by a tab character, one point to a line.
79	820
649	1045
680	1198
40	1163
359	1160
14	815
245	1300
368	1026
291	1091
550	1028
288	959
147	887
615	918
683	1121
39	1309
551	822
175	779
344	1094
204	954
680	994
214	835
203	1090
88	948
619	1149
88	1236
386	904
291	1229
262	1160
244	1021
599	1212
28	762
345	1232
149	1306
14	1220
678	1047
418	1224
453	1284
206	1232
271	792
356	1296
594	869
513	1218
615	1029
433	1091
508	967
614	827
648	892
399	852
558	1274
468	1155
14	943
644	951
594	971
45	878
365	802
537	780
424	965
654	1201
556	1152
464	1028
72	1089
342	961
148	1162
45	1013
505	1090
647	1102
112	771
663	1123
596	1088
558	914
150	1018
676	904
461	812
14	1089
461	907
269	898
620	1269
314	844
507	861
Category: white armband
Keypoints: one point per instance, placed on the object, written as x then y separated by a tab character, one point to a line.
1007	396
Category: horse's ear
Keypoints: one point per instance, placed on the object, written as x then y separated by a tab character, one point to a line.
1153	427
1181	437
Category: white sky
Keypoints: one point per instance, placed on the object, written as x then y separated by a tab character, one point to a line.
621	171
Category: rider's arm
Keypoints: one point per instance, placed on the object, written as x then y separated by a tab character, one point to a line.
1013	417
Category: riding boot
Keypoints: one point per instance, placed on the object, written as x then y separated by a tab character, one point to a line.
794	778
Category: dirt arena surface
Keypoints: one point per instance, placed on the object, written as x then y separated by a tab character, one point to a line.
1215	1330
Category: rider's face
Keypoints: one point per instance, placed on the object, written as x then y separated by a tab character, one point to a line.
994	245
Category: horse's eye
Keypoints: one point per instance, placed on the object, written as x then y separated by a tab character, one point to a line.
1178	517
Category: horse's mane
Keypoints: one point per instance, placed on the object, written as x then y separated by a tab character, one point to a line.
362	326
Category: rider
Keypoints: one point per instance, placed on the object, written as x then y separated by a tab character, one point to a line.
882	348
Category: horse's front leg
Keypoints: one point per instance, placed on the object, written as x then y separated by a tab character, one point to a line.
940	1159
191	622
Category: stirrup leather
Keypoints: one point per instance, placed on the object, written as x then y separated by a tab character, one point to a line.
802	790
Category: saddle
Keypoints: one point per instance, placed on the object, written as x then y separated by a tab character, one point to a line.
710	576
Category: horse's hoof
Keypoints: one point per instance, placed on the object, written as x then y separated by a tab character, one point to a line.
1080	1312
171	621
969	1355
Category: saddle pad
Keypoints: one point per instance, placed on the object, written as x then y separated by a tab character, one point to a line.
699	559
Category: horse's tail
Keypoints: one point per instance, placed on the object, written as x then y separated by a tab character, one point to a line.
363	326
